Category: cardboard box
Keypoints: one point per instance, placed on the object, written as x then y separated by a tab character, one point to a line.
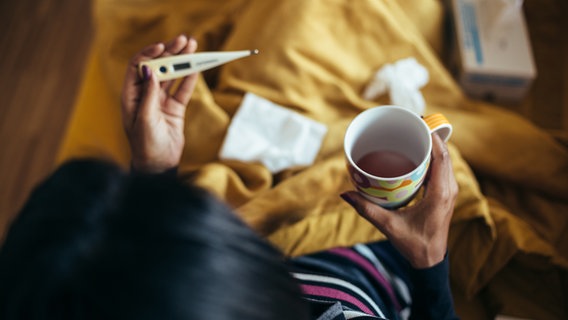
492	54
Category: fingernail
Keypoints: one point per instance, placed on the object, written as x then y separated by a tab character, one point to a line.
347	198
146	72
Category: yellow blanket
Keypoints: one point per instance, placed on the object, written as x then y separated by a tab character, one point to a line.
509	232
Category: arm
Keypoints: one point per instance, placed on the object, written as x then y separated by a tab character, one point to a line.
420	234
153	113
431	295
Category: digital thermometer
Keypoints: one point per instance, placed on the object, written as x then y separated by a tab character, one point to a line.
172	67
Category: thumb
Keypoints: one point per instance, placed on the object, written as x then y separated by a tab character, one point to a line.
375	214
150	101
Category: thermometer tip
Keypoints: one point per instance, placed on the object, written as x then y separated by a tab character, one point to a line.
255	51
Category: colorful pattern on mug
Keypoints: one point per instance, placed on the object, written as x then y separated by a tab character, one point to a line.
389	193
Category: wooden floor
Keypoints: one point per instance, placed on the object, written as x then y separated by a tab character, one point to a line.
44	45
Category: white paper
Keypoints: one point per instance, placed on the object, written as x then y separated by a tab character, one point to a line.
403	80
279	138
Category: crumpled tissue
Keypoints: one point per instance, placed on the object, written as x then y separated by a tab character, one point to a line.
279	138
403	80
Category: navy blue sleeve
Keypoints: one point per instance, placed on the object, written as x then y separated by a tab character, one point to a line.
431	295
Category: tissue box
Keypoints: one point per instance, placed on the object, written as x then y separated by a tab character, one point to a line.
492	56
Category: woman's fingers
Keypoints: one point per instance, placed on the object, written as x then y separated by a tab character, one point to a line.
132	81
441	183
174	47
185	89
150	103
381	218
150	52
137	86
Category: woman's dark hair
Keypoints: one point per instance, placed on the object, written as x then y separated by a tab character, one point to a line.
93	242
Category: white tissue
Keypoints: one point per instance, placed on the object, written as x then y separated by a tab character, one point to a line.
403	80
279	138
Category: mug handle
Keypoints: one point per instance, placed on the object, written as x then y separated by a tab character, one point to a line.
437	122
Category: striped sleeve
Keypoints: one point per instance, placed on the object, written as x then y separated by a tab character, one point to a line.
330	289
357	278
372	281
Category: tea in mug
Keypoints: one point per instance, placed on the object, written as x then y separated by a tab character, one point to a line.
385	164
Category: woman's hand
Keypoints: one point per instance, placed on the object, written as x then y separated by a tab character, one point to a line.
420	232
153	113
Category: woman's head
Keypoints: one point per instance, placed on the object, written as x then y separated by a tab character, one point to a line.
94	242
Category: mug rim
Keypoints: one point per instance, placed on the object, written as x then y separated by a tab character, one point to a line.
394	107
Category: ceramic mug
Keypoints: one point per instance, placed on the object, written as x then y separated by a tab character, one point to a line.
388	150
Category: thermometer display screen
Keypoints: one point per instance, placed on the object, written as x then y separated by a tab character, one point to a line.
182	66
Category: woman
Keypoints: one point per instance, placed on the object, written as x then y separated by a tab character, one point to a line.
95	242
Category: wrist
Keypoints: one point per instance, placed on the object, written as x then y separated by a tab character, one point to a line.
172	171
153	162
138	166
428	258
